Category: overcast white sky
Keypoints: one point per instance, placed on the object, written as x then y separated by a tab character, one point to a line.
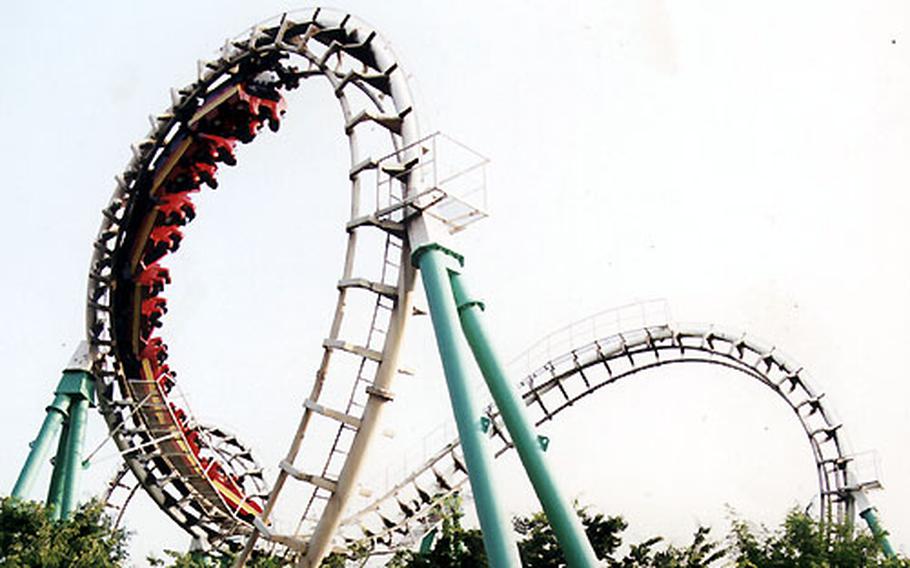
747	162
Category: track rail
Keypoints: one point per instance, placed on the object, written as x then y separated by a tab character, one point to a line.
400	514
233	96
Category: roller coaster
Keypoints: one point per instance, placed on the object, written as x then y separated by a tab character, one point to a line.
408	192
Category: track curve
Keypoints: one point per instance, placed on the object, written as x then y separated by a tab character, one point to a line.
554	387
195	474
210	487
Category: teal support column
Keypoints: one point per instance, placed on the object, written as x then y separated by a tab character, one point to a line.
563	519
878	532
56	413
69	412
498	539
74	441
55	491
426	543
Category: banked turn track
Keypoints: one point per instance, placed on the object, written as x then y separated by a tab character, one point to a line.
205	479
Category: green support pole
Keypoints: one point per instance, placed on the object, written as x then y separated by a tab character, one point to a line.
56	412
55	491
565	522
878	532
75	392
496	528
74	442
426	543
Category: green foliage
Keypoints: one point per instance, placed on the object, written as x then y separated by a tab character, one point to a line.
538	546
258	559
702	553
454	547
218	560
802	542
29	538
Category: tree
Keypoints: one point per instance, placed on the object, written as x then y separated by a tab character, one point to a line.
216	559
800	542
28	537
539	548
702	553
803	542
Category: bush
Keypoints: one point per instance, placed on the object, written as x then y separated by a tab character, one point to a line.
29	538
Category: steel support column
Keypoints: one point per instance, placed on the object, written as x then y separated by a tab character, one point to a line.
74	393
499	542
54	501
878	532
74	441
565	522
56	413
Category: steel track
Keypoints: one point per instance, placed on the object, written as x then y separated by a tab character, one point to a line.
384	142
398	516
372	92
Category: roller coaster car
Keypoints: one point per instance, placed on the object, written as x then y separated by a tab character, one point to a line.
238	110
152	309
155	352
264	103
165	379
235	111
194	441
210	148
162	240
176	208
179	415
182	178
223	114
206	173
153	277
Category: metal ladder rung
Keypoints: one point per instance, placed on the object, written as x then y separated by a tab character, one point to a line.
386	290
288	541
380	218
336	34
392	227
333	48
370	354
317	480
379	81
333	414
397	169
391	122
362	166
364	53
